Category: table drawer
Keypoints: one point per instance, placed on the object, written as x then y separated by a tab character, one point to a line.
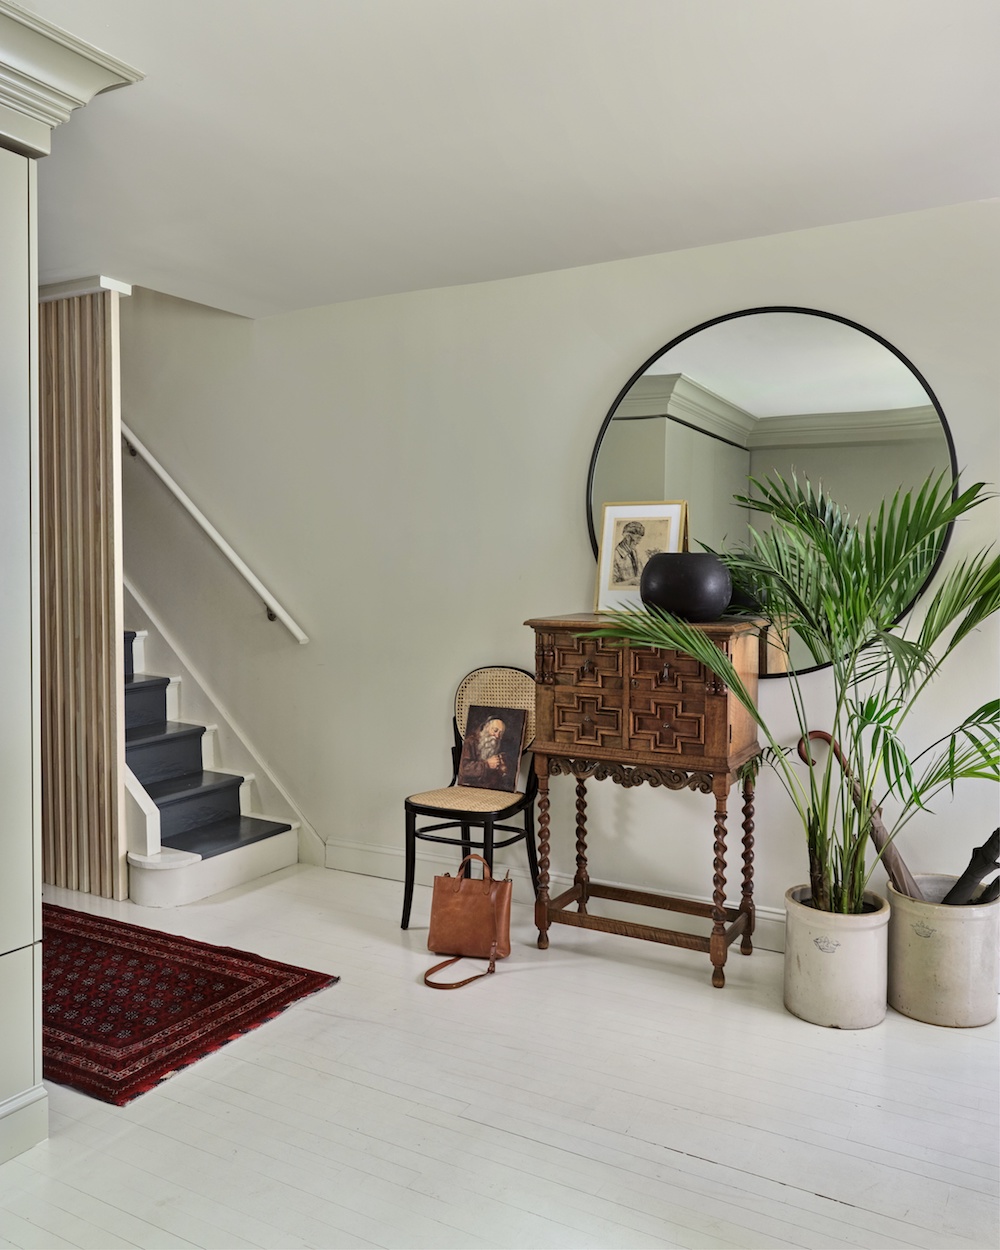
590	663
668	700
587	718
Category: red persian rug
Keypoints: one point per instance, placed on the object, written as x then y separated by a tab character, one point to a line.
125	1006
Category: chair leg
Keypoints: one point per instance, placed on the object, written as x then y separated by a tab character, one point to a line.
488	842
411	866
529	845
466	848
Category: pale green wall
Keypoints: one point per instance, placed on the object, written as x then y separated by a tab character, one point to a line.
656	458
407	473
630	467
855	479
707	473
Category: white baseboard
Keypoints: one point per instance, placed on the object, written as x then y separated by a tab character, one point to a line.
387	861
24	1122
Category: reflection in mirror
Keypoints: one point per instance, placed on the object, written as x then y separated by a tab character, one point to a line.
764	392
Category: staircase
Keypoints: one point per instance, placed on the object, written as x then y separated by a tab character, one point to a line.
188	831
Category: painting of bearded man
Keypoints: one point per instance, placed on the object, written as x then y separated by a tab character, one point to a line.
491	752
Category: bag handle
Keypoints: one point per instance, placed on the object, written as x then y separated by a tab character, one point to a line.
488	877
490	890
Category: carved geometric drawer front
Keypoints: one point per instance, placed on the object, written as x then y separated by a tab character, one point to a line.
584	719
586	661
666	670
667	703
667	723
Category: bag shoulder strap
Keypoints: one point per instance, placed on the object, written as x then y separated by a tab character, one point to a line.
455	985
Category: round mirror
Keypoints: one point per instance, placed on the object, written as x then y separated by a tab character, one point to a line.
760	392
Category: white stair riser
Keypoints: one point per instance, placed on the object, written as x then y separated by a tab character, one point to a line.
173	887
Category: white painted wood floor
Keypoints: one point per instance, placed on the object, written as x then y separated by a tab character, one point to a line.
599	1094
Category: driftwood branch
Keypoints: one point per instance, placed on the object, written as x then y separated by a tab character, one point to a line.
900	876
984	861
991	893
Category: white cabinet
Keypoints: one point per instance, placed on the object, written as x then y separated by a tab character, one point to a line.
22	1099
44	74
17	764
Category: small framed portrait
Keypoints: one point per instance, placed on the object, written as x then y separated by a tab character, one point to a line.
630	534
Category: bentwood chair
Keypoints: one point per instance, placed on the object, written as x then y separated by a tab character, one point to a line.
468	808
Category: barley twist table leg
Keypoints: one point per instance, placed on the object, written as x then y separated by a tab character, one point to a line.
542	901
717	943
747	904
582	878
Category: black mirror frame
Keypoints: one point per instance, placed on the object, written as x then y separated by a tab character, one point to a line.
749	312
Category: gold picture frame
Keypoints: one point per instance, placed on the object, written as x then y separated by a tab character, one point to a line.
630	534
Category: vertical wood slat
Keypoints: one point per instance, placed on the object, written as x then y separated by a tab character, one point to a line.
82	672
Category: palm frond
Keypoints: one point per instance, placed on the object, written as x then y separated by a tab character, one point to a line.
969	594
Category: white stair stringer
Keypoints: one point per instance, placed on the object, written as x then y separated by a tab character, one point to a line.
142	819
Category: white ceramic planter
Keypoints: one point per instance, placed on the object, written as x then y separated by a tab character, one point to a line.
835	966
943	960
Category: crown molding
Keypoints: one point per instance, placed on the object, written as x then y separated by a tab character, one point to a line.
46	73
833	429
81	286
674	395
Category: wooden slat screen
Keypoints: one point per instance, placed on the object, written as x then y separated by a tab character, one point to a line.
82	648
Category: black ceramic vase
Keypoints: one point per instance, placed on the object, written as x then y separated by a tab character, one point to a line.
694	585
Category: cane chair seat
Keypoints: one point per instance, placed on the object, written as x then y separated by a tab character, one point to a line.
468	808
468	799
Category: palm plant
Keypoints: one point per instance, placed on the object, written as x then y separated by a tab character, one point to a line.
844	588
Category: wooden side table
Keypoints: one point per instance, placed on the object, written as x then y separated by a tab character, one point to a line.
638	714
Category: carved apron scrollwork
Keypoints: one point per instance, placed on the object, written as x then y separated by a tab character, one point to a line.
629	775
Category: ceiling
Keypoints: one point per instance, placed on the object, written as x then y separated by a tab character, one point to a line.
776	364
281	154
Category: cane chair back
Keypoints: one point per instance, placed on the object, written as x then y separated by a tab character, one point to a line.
496	687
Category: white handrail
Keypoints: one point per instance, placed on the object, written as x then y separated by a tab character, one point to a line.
274	609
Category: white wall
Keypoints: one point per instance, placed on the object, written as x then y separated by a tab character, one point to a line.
407	473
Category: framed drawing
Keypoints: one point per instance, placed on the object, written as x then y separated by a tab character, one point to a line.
630	534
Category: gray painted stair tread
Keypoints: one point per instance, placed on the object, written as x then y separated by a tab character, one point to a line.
139	680
224	835
175	788
139	734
